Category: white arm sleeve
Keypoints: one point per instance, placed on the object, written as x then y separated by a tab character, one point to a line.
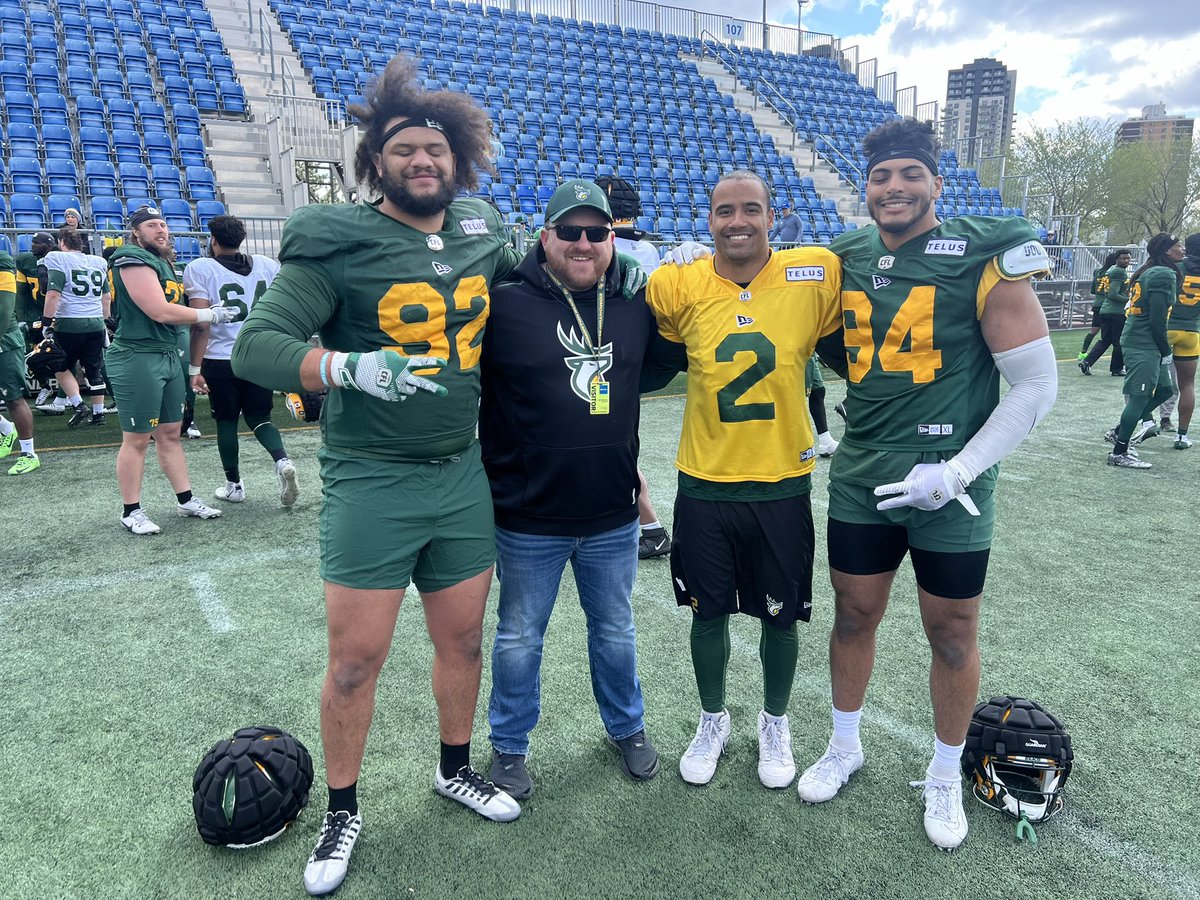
1032	376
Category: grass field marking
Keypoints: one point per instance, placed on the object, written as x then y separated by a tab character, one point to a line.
215	612
50	587
1173	880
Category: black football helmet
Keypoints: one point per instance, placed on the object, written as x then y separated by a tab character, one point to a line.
305	406
46	359
249	788
1018	757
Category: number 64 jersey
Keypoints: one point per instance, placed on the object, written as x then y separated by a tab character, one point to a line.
921	378
230	281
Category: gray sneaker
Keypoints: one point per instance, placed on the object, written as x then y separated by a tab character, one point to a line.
639	759
508	773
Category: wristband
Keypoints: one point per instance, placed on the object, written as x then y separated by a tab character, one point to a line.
321	367
204	316
193	370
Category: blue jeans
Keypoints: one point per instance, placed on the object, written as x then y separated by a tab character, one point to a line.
530	568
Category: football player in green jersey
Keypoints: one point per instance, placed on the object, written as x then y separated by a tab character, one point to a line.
1148	378
1114	294
395	287
1183	331
143	365
18	432
934	314
1099	286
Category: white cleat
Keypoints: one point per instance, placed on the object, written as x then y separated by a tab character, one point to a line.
826	444
823	779
231	492
776	765
326	867
475	792
137	522
945	818
698	764
197	508
289	488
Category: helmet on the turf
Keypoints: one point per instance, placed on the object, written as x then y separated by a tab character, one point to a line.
305	406
1018	757
251	787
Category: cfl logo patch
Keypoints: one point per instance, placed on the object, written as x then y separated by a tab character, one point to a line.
384	378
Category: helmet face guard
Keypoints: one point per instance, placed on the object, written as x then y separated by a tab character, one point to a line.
1018	757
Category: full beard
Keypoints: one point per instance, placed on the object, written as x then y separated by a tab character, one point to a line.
421	207
167	253
894	227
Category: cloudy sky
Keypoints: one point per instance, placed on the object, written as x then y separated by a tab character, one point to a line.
1073	57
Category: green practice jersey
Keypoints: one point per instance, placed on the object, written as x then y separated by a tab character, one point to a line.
11	337
1116	295
921	378
135	329
29	295
365	281
1185	314
1099	286
1150	302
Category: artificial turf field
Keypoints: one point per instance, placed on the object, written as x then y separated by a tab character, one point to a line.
126	657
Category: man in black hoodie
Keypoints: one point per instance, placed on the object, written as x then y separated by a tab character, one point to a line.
228	277
564	360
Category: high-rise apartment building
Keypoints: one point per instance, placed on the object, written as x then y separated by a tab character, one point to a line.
977	119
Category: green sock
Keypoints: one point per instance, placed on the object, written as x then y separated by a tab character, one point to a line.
710	657
778	649
266	434
1130	416
227	448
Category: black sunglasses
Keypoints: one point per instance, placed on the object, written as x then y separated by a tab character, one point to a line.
571	233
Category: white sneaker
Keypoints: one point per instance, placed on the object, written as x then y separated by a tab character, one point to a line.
193	432
330	859
698	764
776	765
1183	442
231	491
826	444
198	508
1145	429
823	779
945	818
45	395
475	792
139	523
289	489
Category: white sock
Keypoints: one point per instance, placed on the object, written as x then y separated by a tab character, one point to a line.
947	761
74	400
98	408
771	720
650	526
6	427
823	436
27	447
845	730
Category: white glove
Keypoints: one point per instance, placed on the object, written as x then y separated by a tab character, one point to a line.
929	486
686	254
384	374
217	315
1166	360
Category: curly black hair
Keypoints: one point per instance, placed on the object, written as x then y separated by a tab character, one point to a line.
396	94
228	231
906	132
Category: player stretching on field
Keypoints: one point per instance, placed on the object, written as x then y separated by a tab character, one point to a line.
228	277
143	365
749	319
934	312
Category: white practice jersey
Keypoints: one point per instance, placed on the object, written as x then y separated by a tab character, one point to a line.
207	279
643	251
81	280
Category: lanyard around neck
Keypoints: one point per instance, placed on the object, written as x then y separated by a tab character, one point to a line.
587	337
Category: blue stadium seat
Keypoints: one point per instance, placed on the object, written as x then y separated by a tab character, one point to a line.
122	114
19	106
186	118
132	204
207	209
59	204
14	76
101	178
23	140
127	146
191	150
108	213
166	181
177	213
160	149
187	249
205	92
152	116
25	176
61	176
95	143
28	210
135	180
232	97
200	182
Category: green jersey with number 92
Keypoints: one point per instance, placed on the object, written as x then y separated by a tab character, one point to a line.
921	378
208	279
364	281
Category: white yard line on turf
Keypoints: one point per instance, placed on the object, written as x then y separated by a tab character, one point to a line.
215	612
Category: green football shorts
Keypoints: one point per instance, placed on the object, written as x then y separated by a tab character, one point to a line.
812	376
12	375
384	524
1144	371
148	387
950	529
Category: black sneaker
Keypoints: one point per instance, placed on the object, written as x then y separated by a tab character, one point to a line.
470	789
96	419
508	773
840	409
639	759
330	859
654	542
80	413
1085	367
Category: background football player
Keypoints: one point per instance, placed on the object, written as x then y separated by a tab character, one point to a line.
12	376
228	277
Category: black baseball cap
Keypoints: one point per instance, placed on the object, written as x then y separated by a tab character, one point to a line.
43	237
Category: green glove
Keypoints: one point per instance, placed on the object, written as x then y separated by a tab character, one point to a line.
384	374
633	276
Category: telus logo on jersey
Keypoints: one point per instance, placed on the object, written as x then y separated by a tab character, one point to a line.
474	226
804	273
584	365
945	247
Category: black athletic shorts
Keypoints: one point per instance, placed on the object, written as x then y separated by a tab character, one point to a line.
750	557
230	396
1095	317
859	549
84	348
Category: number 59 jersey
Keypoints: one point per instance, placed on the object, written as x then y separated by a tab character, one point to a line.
210	279
746	416
81	280
921	378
